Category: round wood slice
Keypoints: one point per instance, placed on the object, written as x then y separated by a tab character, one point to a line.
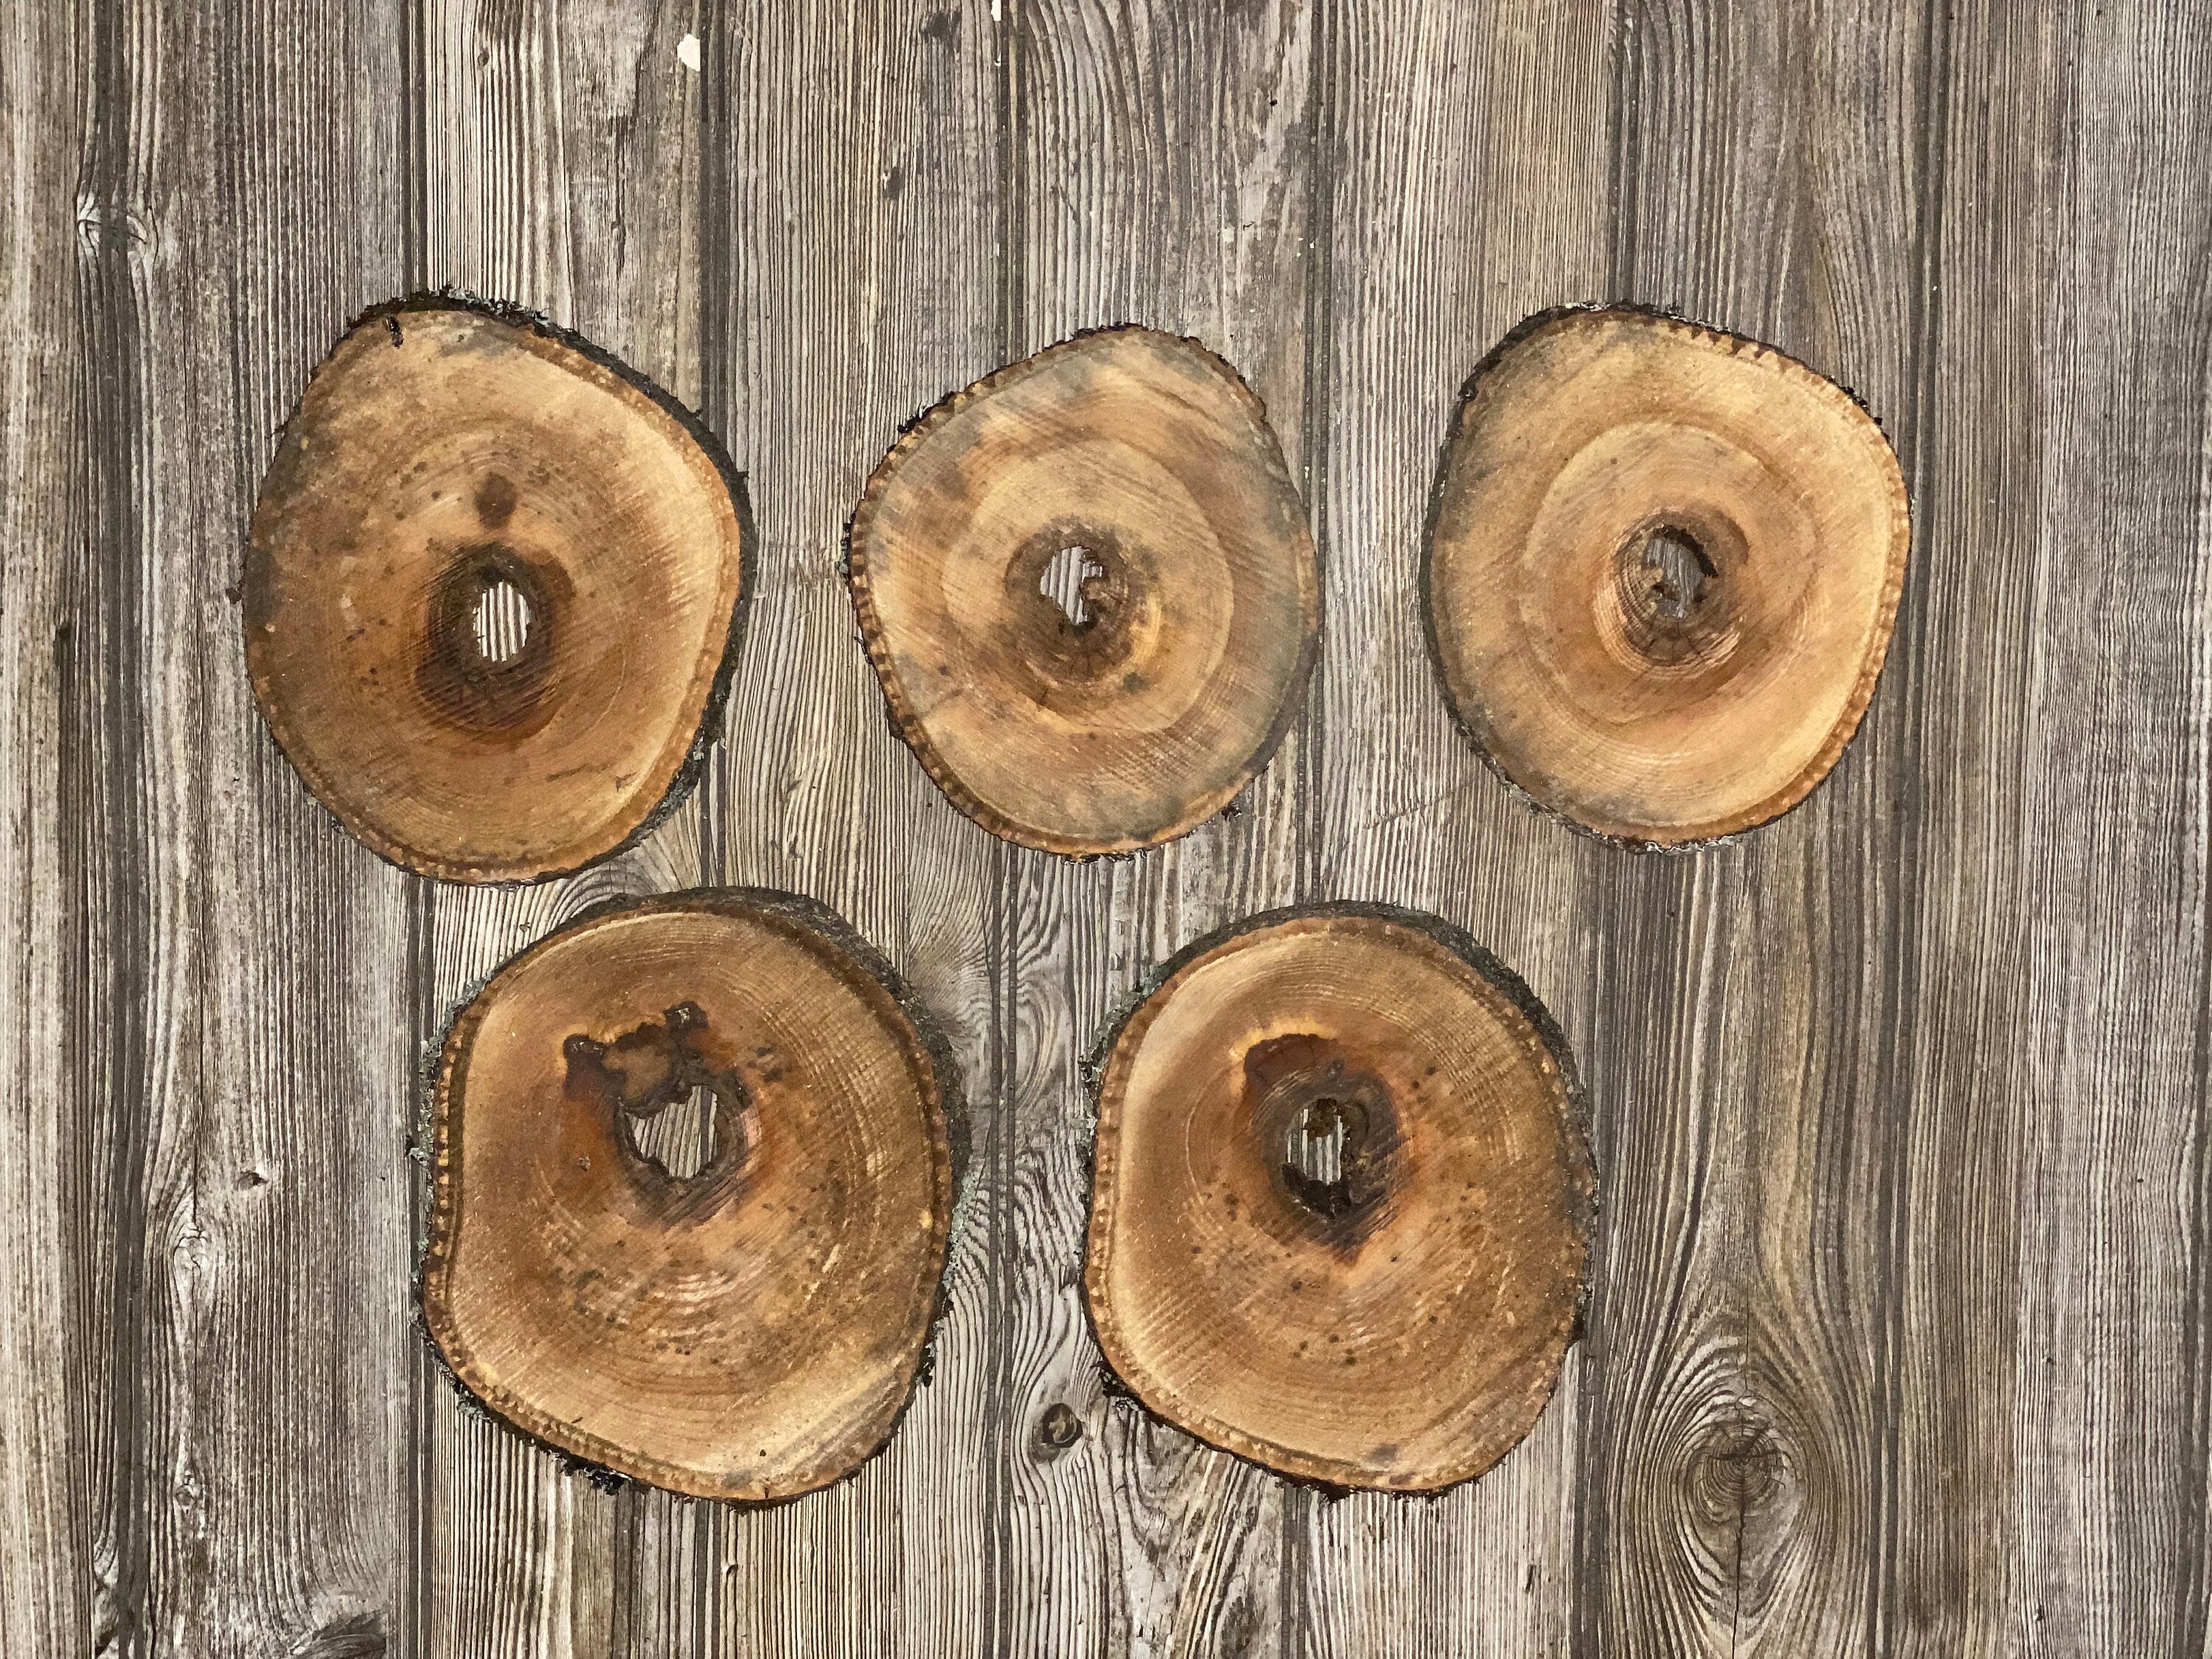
1664	566
1342	1199
749	1329
1088	587
493	579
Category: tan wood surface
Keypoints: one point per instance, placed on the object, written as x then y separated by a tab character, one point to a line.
492	583
743	1322
1137	472
1895	1343
1341	1215
1662	569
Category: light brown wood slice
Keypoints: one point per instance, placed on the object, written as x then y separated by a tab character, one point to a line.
1664	566
1133	474
748	1329
1342	1200
493	579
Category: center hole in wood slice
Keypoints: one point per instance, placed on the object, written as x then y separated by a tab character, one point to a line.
680	1136
1066	574
488	651
1678	571
1314	1156
674	1113
500	624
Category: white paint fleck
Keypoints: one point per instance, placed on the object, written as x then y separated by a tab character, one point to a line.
687	52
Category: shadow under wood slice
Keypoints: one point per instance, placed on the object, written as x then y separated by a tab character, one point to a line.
1663	565
1342	1202
493	579
1088	587
747	1323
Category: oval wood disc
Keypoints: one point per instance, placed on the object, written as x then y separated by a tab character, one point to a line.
1664	566
1136	471
1342	1199
750	1329
492	582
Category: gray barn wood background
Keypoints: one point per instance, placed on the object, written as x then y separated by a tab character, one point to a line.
1898	1346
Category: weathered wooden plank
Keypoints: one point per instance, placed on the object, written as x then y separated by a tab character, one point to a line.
1767	180
1469	191
2112	1344
1161	173
52	1367
104	920
1964	655
855	181
562	148
1900	1342
240	1044
2052	1457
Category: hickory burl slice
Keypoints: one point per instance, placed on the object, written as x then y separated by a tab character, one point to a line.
1664	566
1087	585
752	1328
1342	1199
492	581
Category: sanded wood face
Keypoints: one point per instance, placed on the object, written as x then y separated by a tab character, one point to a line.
1663	569
490	587
749	1329
1342	1201
1088	587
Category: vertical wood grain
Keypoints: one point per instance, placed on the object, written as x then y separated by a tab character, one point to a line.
560	167
2114	1207
1161	173
856	187
240	1025
1899	1341
2052	1465
1467	189
1965	651
1768	180
51	1361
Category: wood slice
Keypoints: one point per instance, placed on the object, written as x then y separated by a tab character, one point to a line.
1342	1199
1664	566
750	1329
492	581
1135	477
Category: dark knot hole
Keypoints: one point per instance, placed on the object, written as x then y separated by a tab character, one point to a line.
501	626
679	1136
1678	568
678	1113
490	651
1070	581
1320	1153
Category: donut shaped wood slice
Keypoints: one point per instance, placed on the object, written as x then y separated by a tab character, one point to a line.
1664	567
492	581
748	1329
1342	1199
1088	587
